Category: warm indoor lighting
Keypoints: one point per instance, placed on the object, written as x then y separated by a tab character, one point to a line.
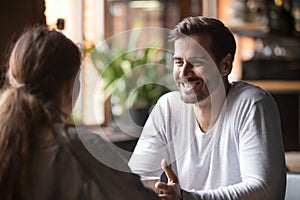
149	5
278	2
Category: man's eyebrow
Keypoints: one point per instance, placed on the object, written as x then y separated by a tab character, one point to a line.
197	58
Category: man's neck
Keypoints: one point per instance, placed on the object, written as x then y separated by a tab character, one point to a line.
208	110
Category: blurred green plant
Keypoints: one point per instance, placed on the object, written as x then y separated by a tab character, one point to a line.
133	79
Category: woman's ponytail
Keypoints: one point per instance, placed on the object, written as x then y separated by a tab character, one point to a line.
20	113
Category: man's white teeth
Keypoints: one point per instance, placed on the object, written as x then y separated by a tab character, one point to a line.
189	84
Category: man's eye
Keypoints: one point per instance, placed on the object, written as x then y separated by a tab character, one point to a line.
178	62
198	63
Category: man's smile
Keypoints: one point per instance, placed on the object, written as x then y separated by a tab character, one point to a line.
189	84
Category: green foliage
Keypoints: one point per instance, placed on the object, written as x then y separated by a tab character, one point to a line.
134	77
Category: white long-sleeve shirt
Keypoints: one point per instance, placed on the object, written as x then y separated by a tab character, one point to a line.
240	157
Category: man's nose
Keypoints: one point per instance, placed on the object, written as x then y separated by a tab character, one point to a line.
186	69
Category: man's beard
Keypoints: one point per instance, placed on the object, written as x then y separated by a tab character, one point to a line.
198	96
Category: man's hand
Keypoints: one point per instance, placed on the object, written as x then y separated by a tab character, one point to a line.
172	190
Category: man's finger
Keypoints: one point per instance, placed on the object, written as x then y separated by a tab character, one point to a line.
162	187
169	172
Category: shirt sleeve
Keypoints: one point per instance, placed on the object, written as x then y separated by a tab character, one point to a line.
151	147
261	155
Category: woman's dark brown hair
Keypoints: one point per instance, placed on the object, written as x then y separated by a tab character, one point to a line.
41	63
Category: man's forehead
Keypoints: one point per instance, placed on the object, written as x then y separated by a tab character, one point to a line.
196	39
194	48
186	41
190	46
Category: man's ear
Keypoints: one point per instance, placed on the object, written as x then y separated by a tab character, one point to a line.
226	65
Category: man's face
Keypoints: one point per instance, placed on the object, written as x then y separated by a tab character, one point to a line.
195	72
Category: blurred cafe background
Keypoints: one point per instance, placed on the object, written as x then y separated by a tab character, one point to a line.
268	54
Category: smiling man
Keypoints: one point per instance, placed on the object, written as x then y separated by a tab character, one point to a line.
222	140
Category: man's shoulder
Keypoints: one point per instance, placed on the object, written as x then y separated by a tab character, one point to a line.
171	103
242	89
171	95
170	98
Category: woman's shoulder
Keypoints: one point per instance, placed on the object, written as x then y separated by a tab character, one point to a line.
102	162
95	149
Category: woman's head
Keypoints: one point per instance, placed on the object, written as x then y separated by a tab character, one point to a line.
223	41
44	61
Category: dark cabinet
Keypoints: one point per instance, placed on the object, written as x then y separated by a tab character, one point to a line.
289	109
